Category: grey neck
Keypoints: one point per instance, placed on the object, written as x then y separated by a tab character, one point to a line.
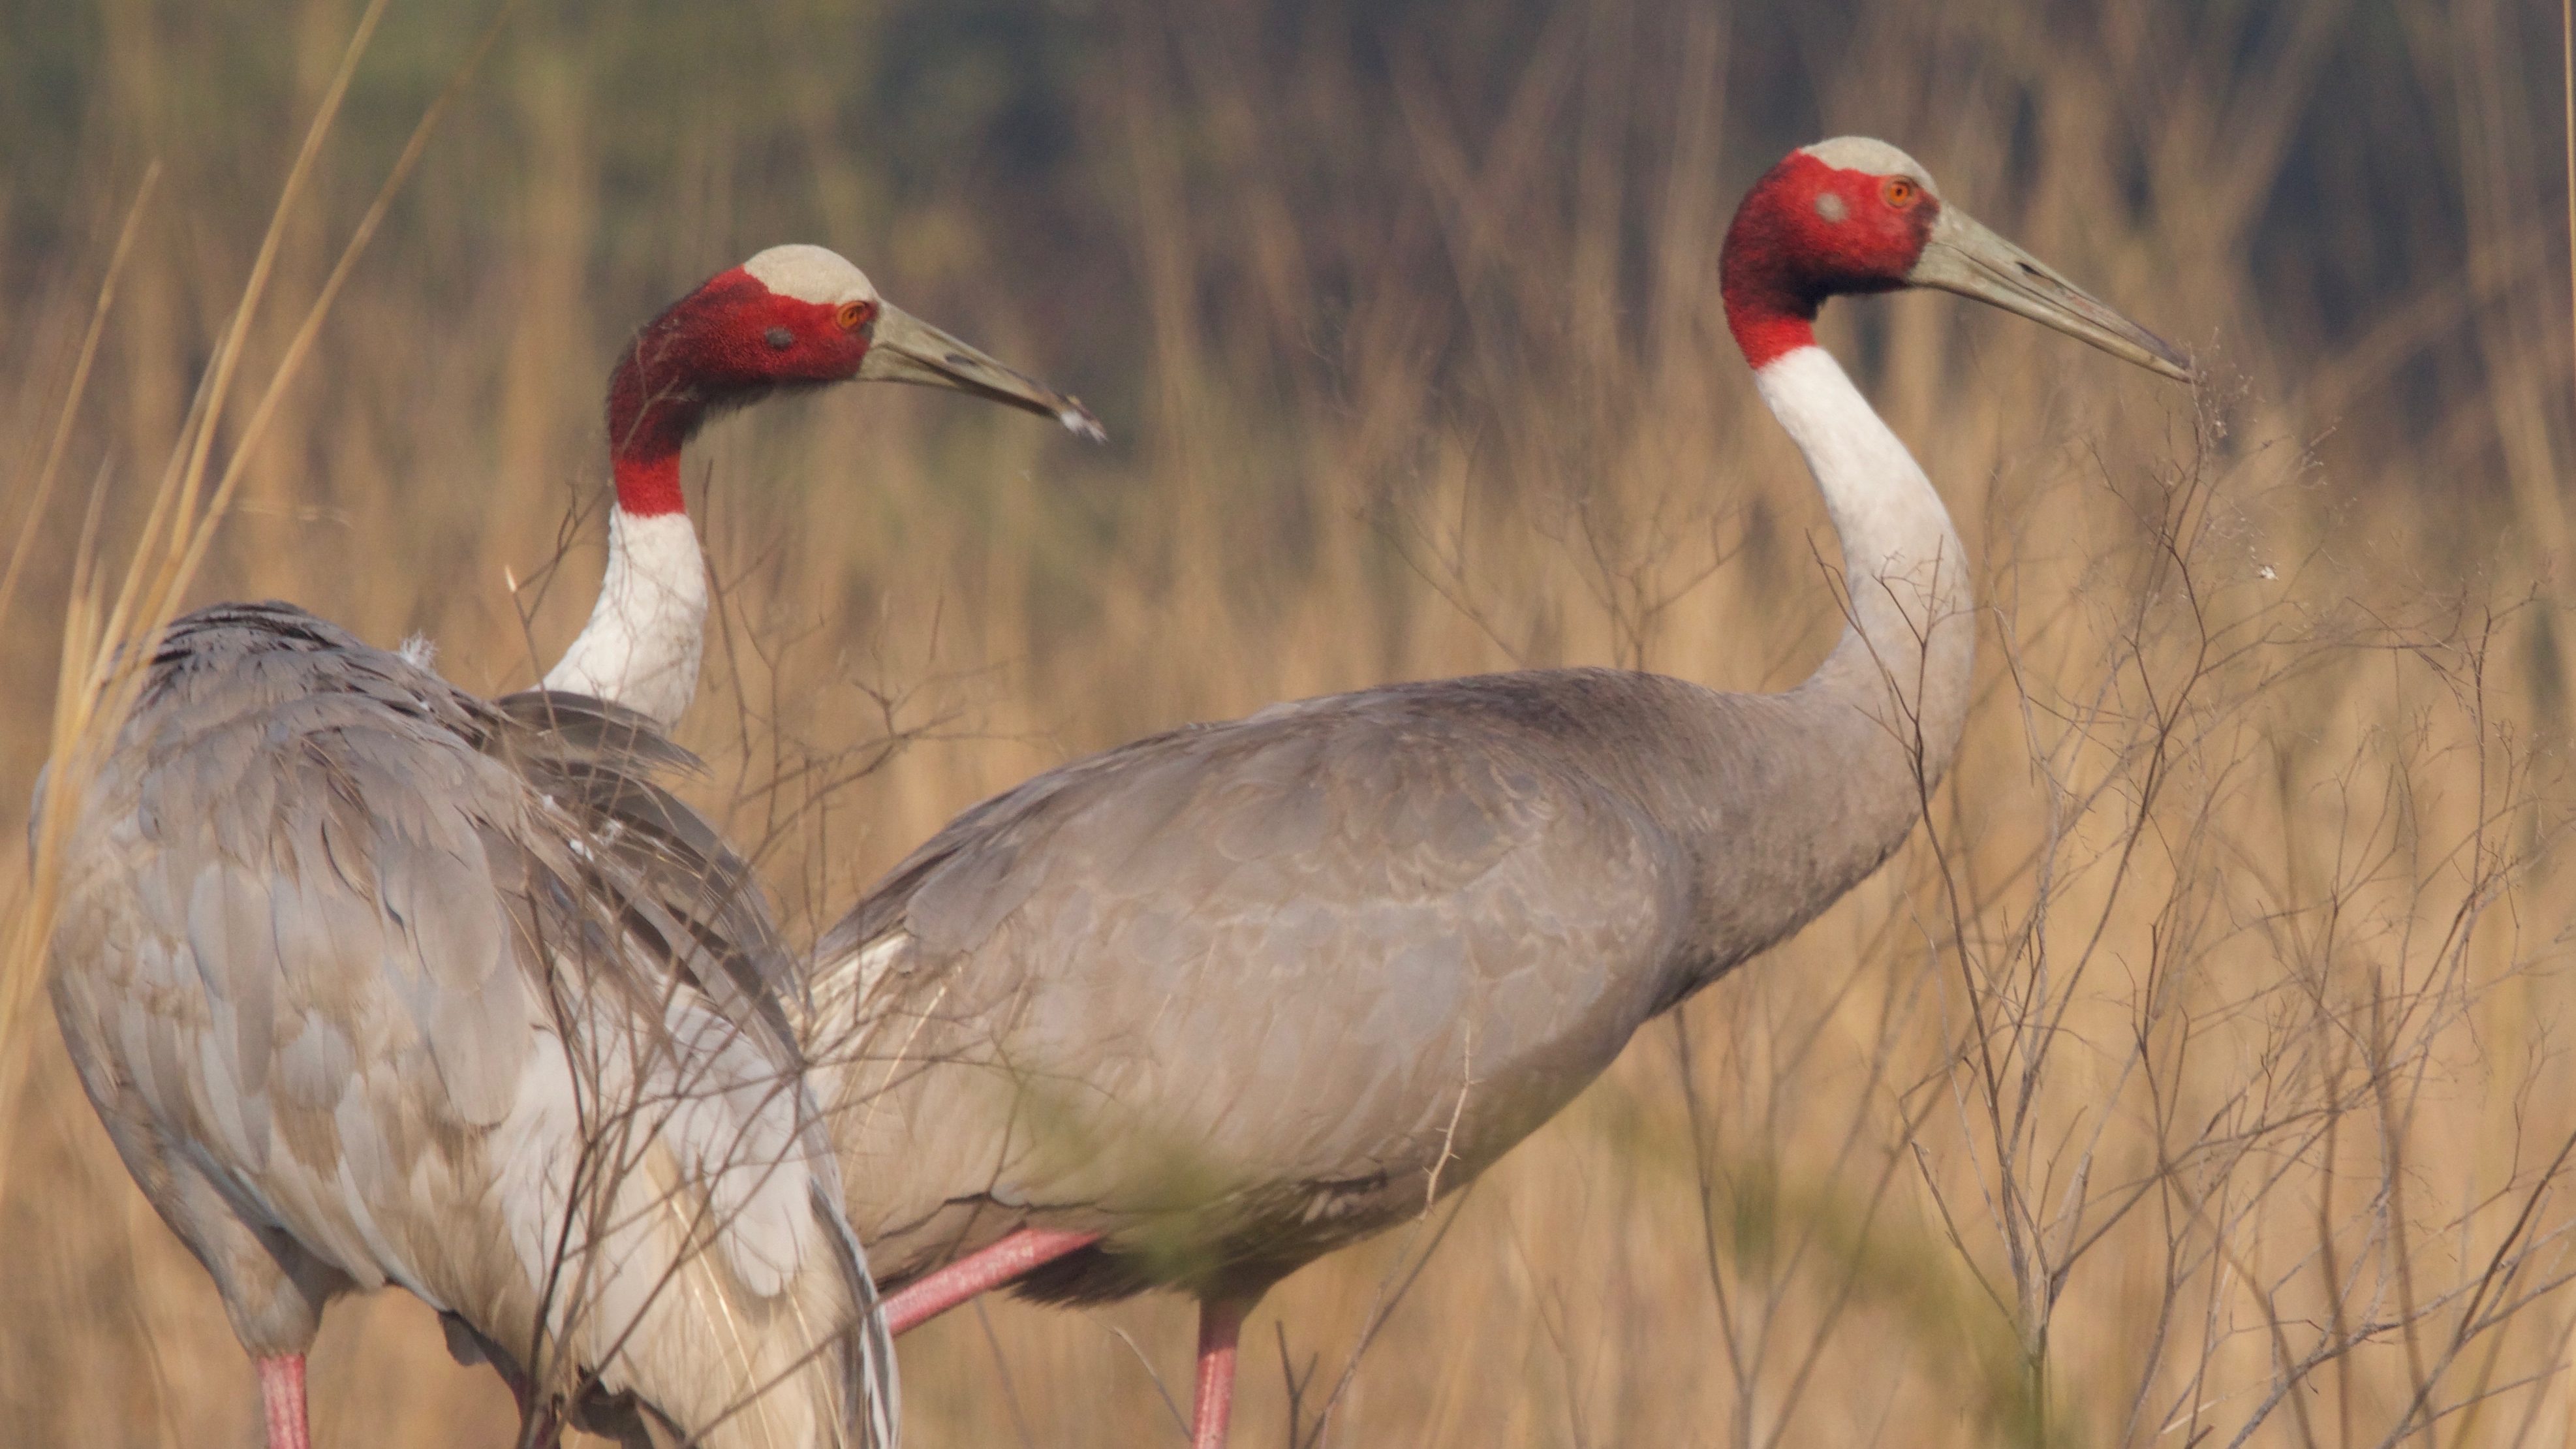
1783	802
1907	650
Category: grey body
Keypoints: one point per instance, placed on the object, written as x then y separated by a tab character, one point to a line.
1240	994
374	981
1218	1002
1243	993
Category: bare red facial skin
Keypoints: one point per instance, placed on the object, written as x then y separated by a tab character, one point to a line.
731	342
1786	251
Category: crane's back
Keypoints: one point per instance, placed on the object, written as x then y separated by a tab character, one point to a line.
372	981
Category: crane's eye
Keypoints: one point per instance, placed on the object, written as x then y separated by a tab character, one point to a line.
855	315
1899	192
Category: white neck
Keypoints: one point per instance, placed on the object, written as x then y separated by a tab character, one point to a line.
1905	657
640	648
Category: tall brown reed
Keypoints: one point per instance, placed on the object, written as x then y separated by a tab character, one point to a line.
2193	1076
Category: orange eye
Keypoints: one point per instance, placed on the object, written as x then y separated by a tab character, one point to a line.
855	315
1898	192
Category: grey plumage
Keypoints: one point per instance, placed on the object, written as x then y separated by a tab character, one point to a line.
373	981
1242	993
1198	1010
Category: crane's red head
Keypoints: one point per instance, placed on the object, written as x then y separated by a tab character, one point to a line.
793	316
1841	216
1856	215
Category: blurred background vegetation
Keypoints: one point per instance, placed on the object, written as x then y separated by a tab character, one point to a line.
1403	318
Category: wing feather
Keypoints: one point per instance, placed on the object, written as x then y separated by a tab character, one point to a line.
340	942
1209	971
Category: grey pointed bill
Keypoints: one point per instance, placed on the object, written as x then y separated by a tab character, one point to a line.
1962	256
907	349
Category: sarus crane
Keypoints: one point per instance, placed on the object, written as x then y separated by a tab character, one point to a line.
373	981
1189	1013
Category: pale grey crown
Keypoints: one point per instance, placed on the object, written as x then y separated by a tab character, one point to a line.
1876	157
811	274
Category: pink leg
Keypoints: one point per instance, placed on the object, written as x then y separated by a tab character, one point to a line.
933	1294
1220	1325
281	1393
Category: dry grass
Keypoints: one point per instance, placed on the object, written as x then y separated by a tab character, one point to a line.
2196	1073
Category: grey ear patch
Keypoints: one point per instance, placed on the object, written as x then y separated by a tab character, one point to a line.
1830	206
780	338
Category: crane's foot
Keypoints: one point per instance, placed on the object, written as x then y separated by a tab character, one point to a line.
933	1294
1220	1326
281	1397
